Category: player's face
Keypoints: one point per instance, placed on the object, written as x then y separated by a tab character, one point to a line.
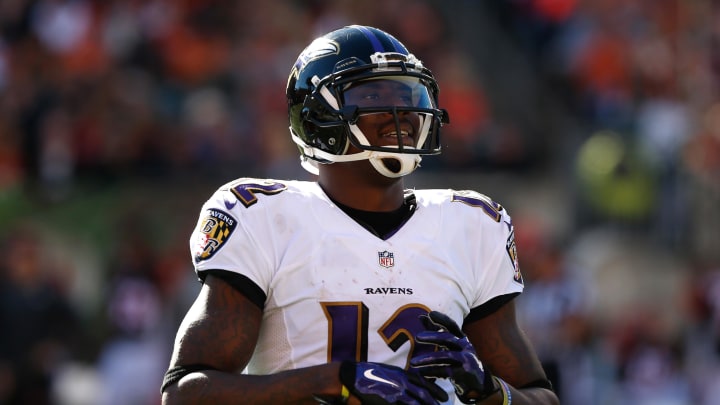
380	128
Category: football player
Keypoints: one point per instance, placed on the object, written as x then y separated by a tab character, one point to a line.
353	289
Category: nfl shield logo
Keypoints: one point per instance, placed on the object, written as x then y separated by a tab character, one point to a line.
386	259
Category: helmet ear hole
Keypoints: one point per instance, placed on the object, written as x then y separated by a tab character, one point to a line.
309	128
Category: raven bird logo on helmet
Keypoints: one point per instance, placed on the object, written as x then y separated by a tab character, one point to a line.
323	116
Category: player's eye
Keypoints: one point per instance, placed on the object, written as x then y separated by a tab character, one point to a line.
384	93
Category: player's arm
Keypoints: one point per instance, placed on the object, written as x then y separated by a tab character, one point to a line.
214	343
504	349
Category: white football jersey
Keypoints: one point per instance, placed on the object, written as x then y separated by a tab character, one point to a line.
336	291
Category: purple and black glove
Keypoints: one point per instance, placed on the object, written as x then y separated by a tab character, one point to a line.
382	384
455	360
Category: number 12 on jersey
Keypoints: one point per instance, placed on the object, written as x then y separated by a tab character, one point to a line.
348	330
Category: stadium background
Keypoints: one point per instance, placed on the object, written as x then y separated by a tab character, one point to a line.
595	122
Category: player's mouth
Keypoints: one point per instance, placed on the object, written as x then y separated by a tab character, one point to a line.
393	138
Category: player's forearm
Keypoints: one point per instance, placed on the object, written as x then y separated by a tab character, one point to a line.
294	386
525	396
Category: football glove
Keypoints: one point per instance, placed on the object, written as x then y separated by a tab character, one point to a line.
455	360
382	384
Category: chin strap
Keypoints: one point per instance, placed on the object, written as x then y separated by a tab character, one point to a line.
408	162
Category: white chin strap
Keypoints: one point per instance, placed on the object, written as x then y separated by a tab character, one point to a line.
407	162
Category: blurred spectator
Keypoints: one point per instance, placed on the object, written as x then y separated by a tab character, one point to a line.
134	355
556	313
702	154
40	329
55	160
650	363
615	184
702	332
135	346
701	159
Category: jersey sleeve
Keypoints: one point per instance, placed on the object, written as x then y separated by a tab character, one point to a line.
230	237
498	269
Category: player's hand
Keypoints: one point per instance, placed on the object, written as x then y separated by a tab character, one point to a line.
382	384
456	359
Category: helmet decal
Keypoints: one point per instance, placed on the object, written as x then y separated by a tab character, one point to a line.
317	49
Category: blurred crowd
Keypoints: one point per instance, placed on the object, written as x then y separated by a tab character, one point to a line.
621	120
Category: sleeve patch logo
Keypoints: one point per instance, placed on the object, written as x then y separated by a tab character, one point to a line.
212	232
511	248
